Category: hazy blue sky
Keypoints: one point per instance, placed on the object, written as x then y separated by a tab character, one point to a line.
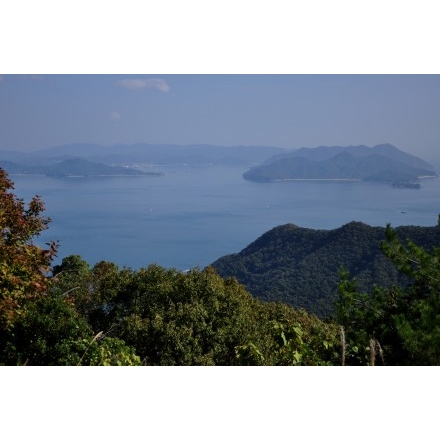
279	110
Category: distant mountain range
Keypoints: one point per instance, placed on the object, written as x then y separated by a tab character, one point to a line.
92	159
166	154
128	155
300	266
382	163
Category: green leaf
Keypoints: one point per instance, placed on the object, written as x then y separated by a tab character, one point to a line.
283	336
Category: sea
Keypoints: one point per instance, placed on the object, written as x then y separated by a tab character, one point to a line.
191	216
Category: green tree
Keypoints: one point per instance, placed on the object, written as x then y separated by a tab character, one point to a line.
175	318
361	317
88	290
416	314
52	333
38	322
289	336
401	323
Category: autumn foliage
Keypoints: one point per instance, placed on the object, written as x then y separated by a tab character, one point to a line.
23	264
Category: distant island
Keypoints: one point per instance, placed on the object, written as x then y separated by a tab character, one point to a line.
383	163
74	168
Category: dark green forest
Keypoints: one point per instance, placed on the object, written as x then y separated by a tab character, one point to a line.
301	266
74	314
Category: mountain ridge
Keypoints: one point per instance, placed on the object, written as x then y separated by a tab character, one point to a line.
166	154
300	266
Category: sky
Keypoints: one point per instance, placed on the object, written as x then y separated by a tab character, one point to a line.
284	110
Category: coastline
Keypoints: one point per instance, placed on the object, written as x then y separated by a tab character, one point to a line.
342	180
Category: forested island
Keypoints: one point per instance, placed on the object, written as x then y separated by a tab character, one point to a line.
74	314
383	163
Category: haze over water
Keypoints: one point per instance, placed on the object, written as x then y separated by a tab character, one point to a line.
191	216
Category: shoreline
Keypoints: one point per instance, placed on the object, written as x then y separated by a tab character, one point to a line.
301	179
152	174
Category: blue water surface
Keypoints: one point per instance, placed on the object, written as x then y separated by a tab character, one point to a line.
190	216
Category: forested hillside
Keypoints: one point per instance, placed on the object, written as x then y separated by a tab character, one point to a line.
301	266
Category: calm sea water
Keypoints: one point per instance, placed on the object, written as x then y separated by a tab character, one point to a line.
192	216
